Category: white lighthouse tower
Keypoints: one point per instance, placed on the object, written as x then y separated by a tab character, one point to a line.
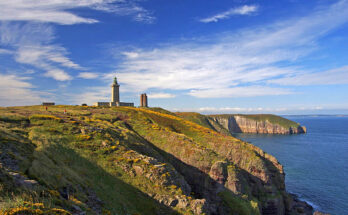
115	93
115	98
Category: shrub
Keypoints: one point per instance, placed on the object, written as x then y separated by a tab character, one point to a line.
44	117
83	137
34	209
13	118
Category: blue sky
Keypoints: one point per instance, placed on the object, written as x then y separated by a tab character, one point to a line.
233	56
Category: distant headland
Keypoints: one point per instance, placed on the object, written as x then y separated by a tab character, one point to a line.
242	123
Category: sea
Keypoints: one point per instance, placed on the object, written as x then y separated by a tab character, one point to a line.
315	163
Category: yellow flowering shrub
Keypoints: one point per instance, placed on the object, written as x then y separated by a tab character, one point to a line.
54	193
45	117
83	137
173	186
34	209
75	200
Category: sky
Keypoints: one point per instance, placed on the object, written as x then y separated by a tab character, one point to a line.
224	56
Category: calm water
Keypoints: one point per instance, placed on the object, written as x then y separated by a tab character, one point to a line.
316	163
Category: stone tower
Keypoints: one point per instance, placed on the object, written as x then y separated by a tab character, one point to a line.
115	92
143	100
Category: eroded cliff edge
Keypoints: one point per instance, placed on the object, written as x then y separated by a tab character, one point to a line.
239	123
261	124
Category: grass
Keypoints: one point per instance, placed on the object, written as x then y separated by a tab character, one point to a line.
203	120
239	205
129	158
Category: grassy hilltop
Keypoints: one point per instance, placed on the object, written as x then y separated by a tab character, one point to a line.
130	161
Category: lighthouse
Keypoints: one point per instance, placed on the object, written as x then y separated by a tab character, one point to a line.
115	92
115	98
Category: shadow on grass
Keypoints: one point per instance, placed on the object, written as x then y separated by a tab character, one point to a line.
62	168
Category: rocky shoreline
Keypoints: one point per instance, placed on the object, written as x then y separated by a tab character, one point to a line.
304	207
301	206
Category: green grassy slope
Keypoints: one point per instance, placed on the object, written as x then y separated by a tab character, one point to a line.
203	120
127	161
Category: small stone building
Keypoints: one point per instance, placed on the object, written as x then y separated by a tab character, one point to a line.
48	103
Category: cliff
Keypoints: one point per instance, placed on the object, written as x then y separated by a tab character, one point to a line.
125	160
261	123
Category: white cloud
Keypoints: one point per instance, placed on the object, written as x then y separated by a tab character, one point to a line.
248	91
221	66
130	54
161	95
88	75
334	76
15	90
29	72
90	96
242	10
60	11
43	56
31	44
58	75
256	110
5	51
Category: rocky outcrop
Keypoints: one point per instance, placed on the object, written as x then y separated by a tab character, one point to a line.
243	124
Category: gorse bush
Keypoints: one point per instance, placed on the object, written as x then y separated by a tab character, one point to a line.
45	117
30	208
13	118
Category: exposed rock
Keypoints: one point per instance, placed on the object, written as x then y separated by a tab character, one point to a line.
29	183
94	202
241	124
218	172
166	200
273	207
104	144
292	203
138	170
198	206
77	208
182	202
21	180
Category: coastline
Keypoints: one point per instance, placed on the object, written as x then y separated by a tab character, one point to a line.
302	203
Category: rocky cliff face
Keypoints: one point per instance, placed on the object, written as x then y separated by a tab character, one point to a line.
243	124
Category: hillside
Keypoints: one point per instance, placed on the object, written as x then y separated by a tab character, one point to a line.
242	123
131	161
203	120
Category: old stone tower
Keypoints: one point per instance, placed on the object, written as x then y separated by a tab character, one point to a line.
143	100
115	92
